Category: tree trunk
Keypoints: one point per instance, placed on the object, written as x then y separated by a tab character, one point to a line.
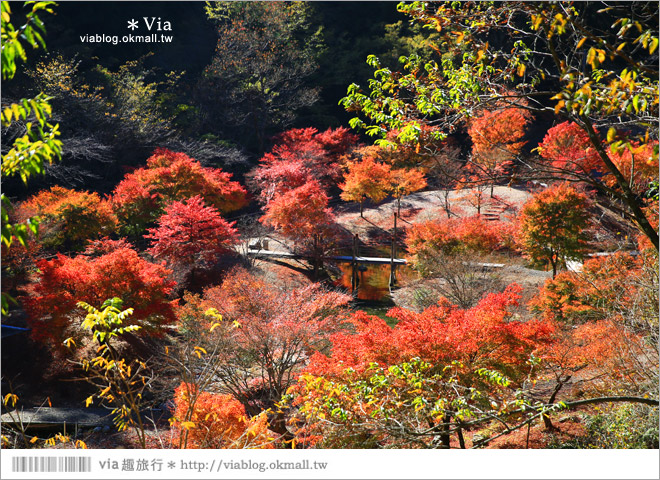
461	440
553	262
445	438
627	195
546	418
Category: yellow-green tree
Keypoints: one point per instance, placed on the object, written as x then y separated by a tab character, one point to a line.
39	144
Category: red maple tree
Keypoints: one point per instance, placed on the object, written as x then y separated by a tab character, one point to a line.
485	335
301	155
568	148
62	282
303	215
142	195
497	137
267	332
190	233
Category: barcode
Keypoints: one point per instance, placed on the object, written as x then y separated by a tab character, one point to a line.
51	464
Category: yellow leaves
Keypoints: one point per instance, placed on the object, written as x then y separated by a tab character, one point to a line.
521	69
68	342
199	351
34	440
10	400
80	444
581	42
611	134
653	45
595	56
559	106
89	400
188	425
212	312
214	326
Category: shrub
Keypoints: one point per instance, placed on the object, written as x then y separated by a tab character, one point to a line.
208	420
63	281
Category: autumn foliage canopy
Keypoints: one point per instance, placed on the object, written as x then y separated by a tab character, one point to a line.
213	420
68	217
553	226
189	231
120	272
169	176
483	336
300	156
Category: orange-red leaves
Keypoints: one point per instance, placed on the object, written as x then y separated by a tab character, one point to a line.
483	336
169	176
69	217
568	147
366	179
209	420
300	213
448	235
63	281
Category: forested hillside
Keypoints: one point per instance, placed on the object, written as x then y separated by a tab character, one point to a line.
332	224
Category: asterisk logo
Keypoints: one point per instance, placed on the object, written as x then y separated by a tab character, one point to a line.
132	24
171	465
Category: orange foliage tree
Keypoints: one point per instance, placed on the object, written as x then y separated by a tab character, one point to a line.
266	334
303	215
553	226
404	182
470	234
606	286
417	383
607	325
366	179
140	198
497	138
638	163
68	218
117	272
211	420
